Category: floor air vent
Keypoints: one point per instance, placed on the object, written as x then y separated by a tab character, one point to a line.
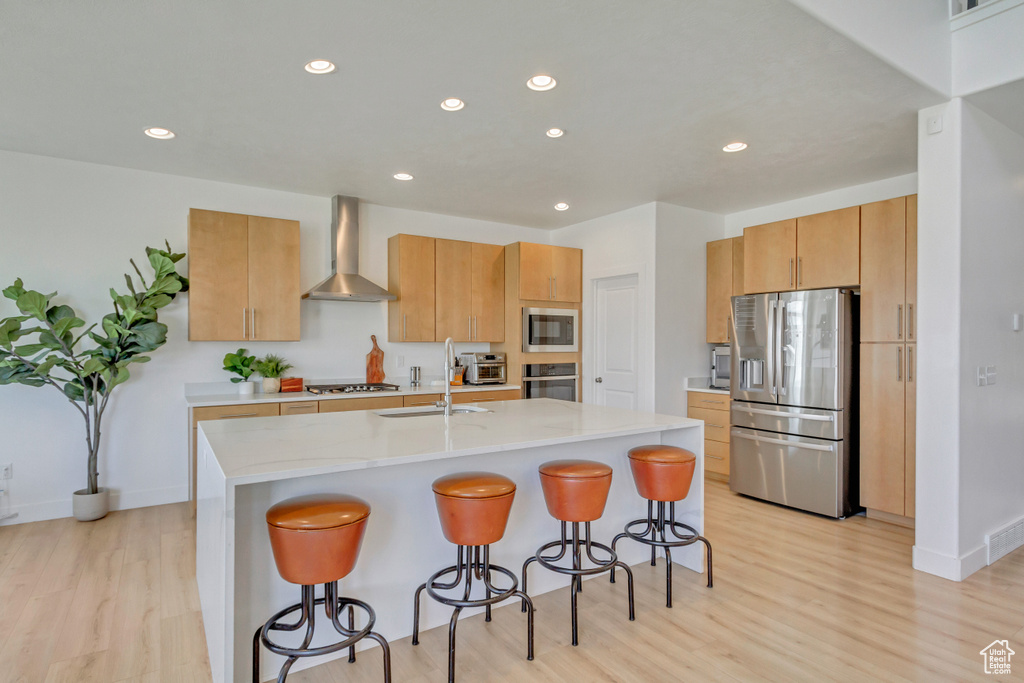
1005	541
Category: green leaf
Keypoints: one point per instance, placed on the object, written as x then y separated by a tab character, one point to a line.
43	369
74	391
128	281
92	366
157	301
64	325
162	265
51	342
168	284
26	350
15	290
149	335
9	328
33	303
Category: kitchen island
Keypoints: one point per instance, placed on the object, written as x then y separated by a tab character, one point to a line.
245	466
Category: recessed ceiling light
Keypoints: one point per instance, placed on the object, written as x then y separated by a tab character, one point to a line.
403	176
561	206
452	104
320	66
159	133
541	82
735	147
555	132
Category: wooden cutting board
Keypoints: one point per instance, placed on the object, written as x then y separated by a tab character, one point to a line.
374	363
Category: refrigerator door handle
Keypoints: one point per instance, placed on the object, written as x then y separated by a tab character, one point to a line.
782	442
780	321
776	413
770	356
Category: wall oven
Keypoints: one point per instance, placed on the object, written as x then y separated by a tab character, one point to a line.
550	329
550	380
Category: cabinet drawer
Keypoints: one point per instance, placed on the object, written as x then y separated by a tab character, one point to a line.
342	405
716	457
698	399
420	400
716	423
299	408
485	396
233	412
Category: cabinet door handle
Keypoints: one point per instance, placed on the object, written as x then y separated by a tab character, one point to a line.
715	426
910	321
405	325
470	321
550	294
899	363
704	400
713	457
910	363
554	281
476	328
245	328
728	329
899	321
799	271
252	321
791	272
224	417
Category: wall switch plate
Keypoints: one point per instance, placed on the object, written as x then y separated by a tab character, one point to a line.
1017	322
982	377
990	374
401	361
7	471
934	125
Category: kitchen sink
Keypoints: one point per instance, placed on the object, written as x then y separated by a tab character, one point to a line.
421	411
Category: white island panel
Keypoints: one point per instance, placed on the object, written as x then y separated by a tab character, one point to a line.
246	466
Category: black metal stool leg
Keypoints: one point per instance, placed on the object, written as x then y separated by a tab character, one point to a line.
387	653
451	644
525	565
668	577
256	656
352	627
416	615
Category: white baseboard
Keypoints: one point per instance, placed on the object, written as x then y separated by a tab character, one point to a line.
952	568
119	500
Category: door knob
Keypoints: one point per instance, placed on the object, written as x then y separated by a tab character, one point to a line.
599	380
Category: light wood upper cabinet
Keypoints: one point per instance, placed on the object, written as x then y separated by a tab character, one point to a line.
910	437
411	280
488	300
769	257
738	284
548	273
883	427
720	259
828	249
244	277
889	270
911	310
453	290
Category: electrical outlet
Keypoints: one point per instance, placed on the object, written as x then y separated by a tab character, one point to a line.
401	361
7	471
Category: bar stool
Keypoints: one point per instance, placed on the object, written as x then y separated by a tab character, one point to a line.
575	492
663	474
316	540
473	508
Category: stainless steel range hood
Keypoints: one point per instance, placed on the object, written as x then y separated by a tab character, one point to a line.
345	283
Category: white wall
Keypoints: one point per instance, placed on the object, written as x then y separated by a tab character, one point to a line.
989	52
910	35
936	547
72	227
854	195
681	350
991	426
617	244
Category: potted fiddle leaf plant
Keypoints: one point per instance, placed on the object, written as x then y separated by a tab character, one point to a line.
46	346
272	369
244	366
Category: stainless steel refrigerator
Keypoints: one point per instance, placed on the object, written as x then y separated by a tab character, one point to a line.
793	417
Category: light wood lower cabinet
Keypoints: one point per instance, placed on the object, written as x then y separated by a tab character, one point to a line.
714	410
887	424
300	408
486	396
343	405
420	400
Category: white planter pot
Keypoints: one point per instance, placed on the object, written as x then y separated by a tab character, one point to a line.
271	385
89	506
246	388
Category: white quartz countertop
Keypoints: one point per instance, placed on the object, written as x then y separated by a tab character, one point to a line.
701	384
202	400
264	449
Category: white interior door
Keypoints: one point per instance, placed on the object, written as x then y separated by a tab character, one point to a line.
616	341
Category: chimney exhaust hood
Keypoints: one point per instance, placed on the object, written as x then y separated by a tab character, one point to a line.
345	283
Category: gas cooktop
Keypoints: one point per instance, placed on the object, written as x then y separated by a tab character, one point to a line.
319	389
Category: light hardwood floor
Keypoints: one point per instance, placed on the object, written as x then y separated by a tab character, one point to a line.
796	598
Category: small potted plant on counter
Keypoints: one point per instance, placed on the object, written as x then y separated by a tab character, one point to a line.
243	366
272	368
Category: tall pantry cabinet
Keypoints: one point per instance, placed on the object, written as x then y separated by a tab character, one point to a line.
888	350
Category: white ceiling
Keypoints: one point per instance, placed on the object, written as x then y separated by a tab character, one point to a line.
649	91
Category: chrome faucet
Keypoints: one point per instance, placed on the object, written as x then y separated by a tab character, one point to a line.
449	371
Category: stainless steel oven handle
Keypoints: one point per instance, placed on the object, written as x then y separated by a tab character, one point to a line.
775	413
552	377
781	442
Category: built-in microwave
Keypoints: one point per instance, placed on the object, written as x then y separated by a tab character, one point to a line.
550	329
720	365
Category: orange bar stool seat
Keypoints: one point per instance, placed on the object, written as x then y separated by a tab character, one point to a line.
473	508
663	475
575	492
316	539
